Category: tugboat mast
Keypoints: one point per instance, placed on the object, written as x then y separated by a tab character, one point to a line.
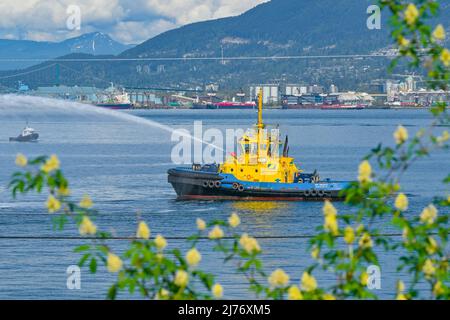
260	124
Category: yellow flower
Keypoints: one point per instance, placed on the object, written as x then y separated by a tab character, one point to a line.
328	296
181	278
216	233
438	288
445	57
365	172
330	213
400	286
432	246
53	204
428	268
21	160
403	42
309	283
331	224
401	202
444	137
401	296
160	242
400	289
51	164
294	293
193	257
114	263
429	214
364	278
405	234
249	244
278	278
217	291
64	191
365	241
87	226
234	220
315	253
328	209
85	202
411	14
349	235
401	135
143	231
439	32
201	224
163	294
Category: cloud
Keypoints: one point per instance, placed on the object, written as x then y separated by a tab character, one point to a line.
139	31
129	21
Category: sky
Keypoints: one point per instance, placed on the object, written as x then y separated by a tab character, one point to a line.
127	21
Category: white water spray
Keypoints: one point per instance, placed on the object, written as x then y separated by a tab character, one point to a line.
19	102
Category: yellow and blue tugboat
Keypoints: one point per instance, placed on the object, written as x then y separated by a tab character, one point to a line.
259	172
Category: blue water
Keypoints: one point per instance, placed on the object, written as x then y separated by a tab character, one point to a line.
123	165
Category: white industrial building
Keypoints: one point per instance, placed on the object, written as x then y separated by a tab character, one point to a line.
271	93
295	90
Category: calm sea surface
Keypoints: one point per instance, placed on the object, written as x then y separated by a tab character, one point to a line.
123	165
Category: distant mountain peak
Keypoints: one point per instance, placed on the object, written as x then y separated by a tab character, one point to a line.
95	43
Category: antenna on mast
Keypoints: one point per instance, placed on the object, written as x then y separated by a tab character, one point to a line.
260	124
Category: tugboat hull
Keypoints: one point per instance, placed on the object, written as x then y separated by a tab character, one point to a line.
116	106
29	138
198	185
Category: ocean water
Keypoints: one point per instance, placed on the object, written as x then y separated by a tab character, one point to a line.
123	165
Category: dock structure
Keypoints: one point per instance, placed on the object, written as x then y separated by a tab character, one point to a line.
155	97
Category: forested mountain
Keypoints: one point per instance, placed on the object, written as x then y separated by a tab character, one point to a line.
275	28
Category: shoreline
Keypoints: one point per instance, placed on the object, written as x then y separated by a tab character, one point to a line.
280	108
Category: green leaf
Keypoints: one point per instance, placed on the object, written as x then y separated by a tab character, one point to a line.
93	265
83	259
84	247
112	292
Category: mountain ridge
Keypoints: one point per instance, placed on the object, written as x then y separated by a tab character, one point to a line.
96	43
275	28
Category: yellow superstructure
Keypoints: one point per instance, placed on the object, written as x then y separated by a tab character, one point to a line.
259	159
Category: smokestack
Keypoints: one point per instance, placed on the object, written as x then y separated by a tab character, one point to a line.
286	148
269	149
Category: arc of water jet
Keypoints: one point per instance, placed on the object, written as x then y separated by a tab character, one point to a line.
66	105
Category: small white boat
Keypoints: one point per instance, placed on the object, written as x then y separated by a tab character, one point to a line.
28	135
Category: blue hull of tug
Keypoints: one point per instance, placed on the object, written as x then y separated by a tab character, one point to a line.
203	185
